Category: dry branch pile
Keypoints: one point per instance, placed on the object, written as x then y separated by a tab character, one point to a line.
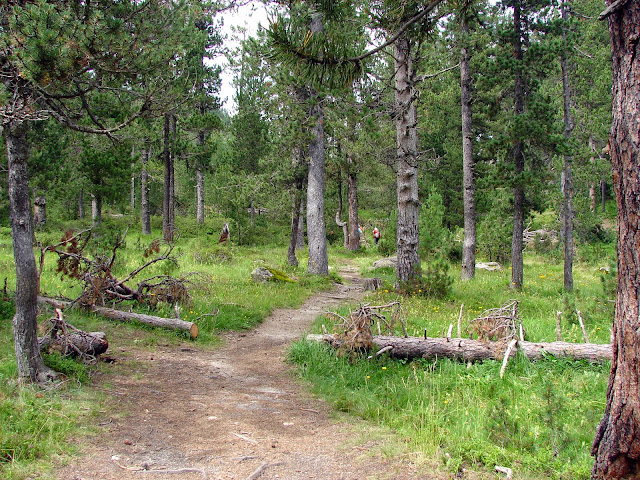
101	287
497	323
354	332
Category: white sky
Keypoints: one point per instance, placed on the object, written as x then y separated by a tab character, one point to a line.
248	16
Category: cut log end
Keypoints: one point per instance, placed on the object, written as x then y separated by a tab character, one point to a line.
193	331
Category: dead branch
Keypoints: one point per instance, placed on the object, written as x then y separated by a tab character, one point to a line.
70	341
100	285
468	350
260	470
127	317
497	323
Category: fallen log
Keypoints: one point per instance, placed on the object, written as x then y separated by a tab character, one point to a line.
120	316
476	350
75	344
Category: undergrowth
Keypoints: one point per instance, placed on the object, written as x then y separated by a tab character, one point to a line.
539	420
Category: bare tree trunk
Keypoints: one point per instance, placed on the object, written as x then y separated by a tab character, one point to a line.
293	238
81	203
199	194
31	367
300	244
316	232
96	208
145	209
352	196
408	236
297	188
616	446
469	244
567	181
592	186
517	153
132	192
168	202
341	223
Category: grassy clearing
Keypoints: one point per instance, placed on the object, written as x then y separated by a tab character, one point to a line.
36	426
539	420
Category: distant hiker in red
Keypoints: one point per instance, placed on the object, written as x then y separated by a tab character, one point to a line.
376	235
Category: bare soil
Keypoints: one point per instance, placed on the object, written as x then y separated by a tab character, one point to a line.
183	412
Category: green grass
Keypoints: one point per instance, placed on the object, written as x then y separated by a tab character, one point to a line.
35	426
539	420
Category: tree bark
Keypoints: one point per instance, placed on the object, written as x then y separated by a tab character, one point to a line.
168	201
297	199
81	204
127	317
145	209
342	224
567	181
300	243
616	446
408	237
75	344
199	194
316	230
469	243
31	367
517	153
352	196
468	350
96	208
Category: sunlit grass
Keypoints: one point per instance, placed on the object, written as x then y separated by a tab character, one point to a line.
539	420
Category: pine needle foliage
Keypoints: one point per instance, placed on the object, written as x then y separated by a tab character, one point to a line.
327	59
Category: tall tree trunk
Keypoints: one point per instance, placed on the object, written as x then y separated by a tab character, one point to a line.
408	236
145	209
96	208
132	191
592	186
293	238
31	367
200	174
567	185
316	232
297	199
354	222
301	216
199	194
617	443
469	244
517	153
341	223
81	203
168	201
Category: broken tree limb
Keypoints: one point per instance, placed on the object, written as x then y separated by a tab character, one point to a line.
120	316
67	340
75	344
477	350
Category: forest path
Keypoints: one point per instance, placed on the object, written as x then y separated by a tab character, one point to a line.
235	412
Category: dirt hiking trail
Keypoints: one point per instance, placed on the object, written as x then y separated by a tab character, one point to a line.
235	412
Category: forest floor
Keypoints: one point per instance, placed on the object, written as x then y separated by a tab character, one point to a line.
235	412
